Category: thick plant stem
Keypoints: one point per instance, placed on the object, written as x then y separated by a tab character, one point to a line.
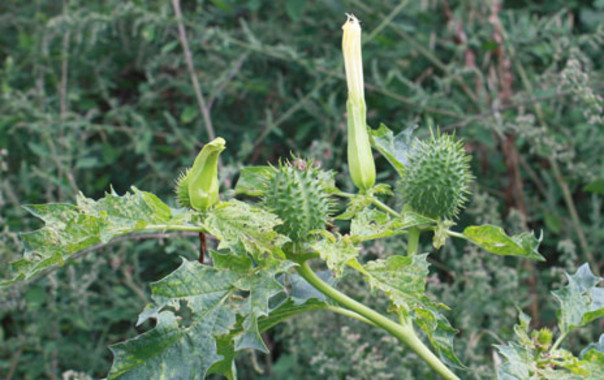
404	332
413	241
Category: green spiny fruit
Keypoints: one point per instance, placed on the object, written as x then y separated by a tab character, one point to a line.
436	178
543	338
182	189
295	192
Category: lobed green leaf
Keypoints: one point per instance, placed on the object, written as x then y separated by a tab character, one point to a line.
394	148
71	228
528	357
336	251
174	349
439	331
245	228
370	224
518	365
581	301
493	239
403	279
204	316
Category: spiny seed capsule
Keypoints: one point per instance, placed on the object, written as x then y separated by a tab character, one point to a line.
543	338
182	189
436	180
295	192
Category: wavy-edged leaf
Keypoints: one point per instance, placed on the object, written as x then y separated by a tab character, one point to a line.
336	251
226	344
394	148
71	228
528	357
581	301
241	226
440	333
593	355
519	358
493	239
370	224
201	287
221	308
403	279
524	362
594	349
518	364
173	349
262	286
169	351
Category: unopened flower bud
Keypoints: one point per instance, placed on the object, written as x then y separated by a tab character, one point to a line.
360	158
197	188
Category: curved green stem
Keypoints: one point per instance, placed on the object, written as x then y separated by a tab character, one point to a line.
382	206
403	332
558	341
456	234
344	194
376	202
351	314
413	241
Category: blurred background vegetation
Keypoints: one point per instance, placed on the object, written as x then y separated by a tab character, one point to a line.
100	94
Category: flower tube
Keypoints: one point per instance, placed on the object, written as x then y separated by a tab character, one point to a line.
360	158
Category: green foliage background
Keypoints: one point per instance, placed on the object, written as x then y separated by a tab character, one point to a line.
98	93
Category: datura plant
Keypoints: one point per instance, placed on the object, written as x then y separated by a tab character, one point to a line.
279	226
